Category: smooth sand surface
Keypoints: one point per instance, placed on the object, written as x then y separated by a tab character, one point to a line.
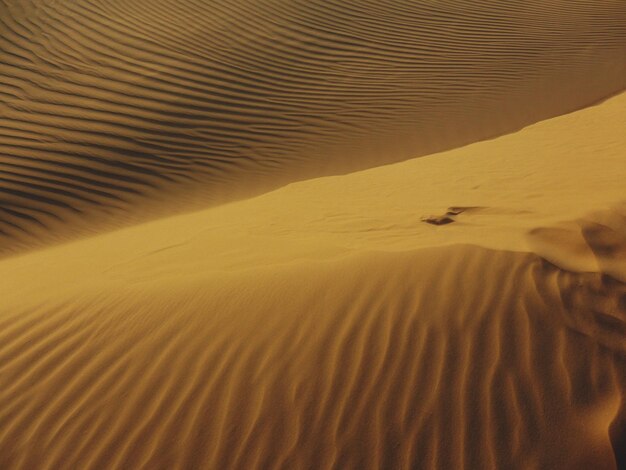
220	250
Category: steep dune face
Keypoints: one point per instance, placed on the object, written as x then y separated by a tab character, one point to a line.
114	111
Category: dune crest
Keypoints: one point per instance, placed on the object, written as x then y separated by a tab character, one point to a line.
595	243
312	234
326	325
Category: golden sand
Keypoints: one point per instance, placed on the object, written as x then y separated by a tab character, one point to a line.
196	276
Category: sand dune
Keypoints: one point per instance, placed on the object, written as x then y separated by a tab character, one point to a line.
326	325
219	250
115	112
381	361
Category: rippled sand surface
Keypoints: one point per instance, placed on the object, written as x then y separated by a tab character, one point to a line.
114	112
220	250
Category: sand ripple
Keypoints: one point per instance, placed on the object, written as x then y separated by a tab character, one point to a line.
376	362
115	111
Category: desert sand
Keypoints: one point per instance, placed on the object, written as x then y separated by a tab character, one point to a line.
312	235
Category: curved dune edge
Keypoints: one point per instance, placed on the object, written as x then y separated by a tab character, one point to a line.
379	361
113	113
555	171
594	243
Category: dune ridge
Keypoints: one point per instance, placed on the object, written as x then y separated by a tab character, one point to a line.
112	113
219	250
326	325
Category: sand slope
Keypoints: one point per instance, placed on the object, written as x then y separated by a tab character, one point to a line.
113	112
325	325
400	361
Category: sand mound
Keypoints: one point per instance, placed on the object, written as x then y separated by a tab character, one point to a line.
380	361
319	325
113	112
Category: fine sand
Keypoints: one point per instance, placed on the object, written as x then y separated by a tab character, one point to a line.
326	325
119	111
217	254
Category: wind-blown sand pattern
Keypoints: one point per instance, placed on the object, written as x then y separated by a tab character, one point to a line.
114	112
375	362
240	337
219	250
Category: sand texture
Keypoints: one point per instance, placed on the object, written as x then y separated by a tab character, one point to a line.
113	112
220	250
